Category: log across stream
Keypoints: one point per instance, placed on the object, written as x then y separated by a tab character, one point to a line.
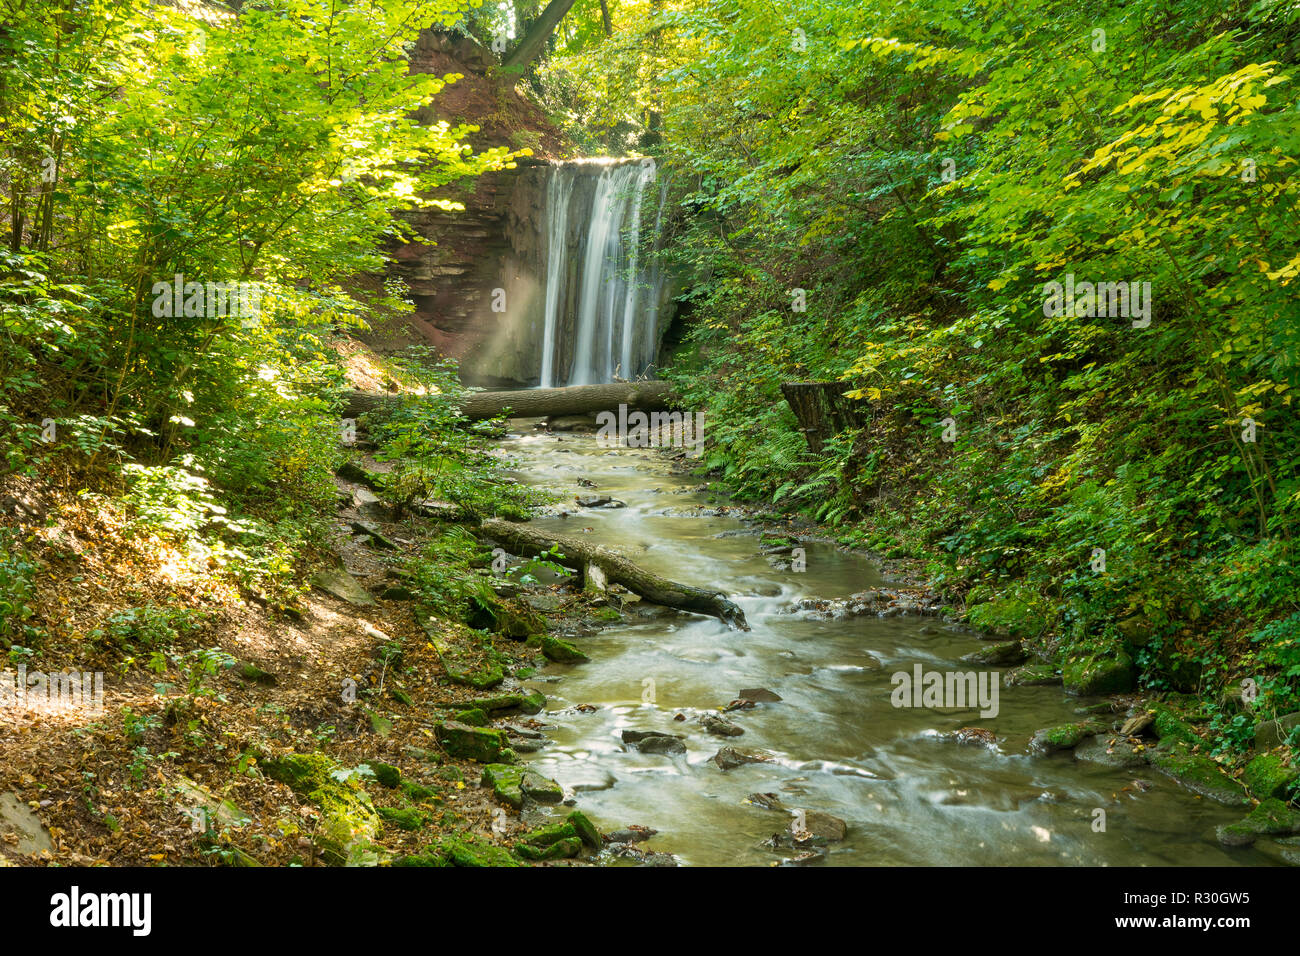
909	792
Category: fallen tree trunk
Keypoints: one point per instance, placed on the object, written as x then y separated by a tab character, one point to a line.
536	402
524	541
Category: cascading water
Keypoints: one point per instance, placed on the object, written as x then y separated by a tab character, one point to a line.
558	190
601	305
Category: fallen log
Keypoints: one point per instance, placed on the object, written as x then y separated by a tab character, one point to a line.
616	569
536	402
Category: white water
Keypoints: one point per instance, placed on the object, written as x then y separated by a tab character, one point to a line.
558	190
616	301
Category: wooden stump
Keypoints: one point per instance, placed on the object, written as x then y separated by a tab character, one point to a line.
821	410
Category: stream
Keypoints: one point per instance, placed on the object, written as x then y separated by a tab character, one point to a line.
909	794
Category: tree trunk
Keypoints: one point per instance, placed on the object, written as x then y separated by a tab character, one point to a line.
821	409
605	18
524	541
535	402
534	40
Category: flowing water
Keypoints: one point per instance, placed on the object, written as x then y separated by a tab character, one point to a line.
909	795
614	298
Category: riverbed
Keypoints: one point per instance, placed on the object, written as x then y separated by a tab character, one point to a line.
909	792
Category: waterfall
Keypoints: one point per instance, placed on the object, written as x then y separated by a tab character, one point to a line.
601	306
558	190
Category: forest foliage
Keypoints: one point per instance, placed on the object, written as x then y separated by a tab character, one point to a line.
189	196
895	196
882	193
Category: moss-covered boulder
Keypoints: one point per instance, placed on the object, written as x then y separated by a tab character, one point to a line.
418	791
474	717
585	829
1200	775
527	703
531	702
1004	654
506	782
1274	733
1017	613
482	744
460	654
1272	817
1267	776
1106	672
1171	727
1110	750
348	823
559	850
463	849
554	649
479	676
505	617
552	833
542	789
1064	736
387	775
403	819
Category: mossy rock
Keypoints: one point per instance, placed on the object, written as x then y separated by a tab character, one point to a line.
418	791
554	649
423	859
1110	672
1200	775
480	678
1032	675
471	851
1064	736
1015	615
1005	654
585	829
502	617
528	703
542	789
464	850
481	744
1169	726
545	836
257	675
506	782
460	670
302	773
1266	776
563	849
1274	733
1112	751
403	819
1271	817
474	717
388	775
348	823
